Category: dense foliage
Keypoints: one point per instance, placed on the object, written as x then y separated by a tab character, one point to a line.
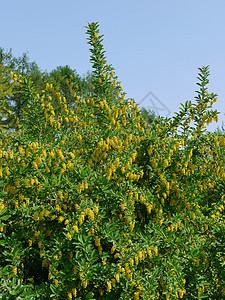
97	204
11	98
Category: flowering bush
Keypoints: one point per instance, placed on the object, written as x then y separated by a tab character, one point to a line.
96	204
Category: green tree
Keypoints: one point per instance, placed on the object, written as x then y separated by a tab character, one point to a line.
149	116
14	102
59	82
65	82
6	90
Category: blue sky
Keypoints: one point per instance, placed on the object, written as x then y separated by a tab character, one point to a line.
156	47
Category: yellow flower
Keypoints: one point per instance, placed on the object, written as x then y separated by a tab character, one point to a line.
70	296
26	182
56	282
72	155
31	181
56	257
166	162
96	209
74	291
60	219
69	236
109	286
136	258
181	293
35	165
155	249
113	250
216	118
130	195
11	75
104	262
167	296
35	216
75	227
131	262
116	255
132	226
15	270
7	170
60	195
167	186
149	208
97	242
47	169
1	205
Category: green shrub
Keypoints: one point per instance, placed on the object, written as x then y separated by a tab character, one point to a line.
101	206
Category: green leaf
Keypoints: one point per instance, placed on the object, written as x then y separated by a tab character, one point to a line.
89	296
3	211
6	217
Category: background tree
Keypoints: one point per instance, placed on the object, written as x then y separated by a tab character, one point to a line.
66	83
17	67
58	83
149	115
6	89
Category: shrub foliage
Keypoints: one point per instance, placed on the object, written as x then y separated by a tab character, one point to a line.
96	204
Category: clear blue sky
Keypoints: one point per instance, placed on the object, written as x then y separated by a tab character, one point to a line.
154	46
